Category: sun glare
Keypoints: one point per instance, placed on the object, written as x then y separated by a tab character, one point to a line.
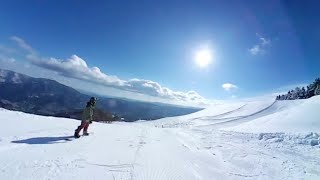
203	57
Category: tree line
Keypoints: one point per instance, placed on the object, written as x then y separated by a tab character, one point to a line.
302	93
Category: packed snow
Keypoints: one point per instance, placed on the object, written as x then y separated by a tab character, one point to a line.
244	140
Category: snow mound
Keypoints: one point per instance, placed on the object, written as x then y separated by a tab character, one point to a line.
298	116
312	138
295	116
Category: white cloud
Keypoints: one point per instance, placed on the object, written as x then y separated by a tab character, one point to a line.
7	50
255	50
6	59
77	68
23	44
5	54
229	86
260	48
264	41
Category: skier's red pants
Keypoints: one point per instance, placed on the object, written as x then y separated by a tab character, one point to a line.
84	125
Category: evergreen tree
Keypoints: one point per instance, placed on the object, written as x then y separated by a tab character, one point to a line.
317	86
317	90
317	81
296	93
303	94
314	84
288	95
310	90
291	94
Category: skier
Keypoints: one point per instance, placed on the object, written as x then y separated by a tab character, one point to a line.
86	118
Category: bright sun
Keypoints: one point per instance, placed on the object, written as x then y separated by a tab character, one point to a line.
203	57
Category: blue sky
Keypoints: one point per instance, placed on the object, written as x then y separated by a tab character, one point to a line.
148	47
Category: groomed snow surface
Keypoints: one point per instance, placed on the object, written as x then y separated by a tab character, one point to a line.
244	140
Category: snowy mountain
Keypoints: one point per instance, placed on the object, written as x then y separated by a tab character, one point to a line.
244	140
48	97
37	95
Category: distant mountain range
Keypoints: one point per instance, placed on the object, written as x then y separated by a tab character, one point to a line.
48	97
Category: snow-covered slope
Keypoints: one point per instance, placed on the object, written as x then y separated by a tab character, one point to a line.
245	140
257	116
288	116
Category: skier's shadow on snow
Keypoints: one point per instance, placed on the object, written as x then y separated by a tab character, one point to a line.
43	140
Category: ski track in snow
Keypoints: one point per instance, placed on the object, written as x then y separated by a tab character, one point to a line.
198	146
